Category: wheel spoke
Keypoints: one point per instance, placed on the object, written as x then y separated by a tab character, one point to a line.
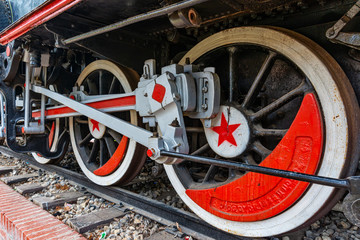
210	174
262	132
201	150
92	87
117	136
112	85
279	102
102	152
249	159
110	144
86	139
259	80
261	149
94	151
101	90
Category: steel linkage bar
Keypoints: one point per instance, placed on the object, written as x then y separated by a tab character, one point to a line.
333	182
136	133
107	103
138	18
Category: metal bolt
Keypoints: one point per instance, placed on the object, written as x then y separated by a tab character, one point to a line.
204	106
150	152
157	170
331	32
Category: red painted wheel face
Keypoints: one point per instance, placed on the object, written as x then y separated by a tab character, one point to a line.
50	137
113	163
254	196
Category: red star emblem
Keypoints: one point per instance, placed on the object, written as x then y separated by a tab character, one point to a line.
95	125
225	131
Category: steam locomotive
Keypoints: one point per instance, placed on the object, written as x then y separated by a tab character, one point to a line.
251	106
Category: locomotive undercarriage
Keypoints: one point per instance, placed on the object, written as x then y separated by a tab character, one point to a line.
242	108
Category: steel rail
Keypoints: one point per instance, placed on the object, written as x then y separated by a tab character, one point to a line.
158	211
135	19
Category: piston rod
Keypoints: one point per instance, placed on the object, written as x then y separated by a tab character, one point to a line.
351	184
138	18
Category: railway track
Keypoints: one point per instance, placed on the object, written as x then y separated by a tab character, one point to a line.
167	215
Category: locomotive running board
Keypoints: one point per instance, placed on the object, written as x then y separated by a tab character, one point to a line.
352	184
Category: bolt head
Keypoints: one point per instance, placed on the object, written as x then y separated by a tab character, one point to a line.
150	152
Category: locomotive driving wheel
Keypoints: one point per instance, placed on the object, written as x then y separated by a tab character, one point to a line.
53	130
285	104
105	156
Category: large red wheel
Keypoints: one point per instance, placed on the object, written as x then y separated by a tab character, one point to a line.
286	104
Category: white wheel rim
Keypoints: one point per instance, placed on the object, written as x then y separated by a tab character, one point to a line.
335	122
44	160
120	171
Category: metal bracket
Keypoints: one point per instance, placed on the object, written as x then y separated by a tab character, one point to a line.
335	35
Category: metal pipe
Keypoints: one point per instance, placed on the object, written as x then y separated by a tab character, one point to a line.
339	183
27	95
42	118
195	129
138	18
2	127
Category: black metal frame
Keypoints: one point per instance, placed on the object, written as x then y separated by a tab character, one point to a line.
39	142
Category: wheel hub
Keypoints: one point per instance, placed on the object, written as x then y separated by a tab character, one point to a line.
230	132
97	129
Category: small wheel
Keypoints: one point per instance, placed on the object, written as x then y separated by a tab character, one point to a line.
54	129
105	156
286	104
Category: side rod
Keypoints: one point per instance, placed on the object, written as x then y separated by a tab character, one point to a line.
108	103
333	182
136	133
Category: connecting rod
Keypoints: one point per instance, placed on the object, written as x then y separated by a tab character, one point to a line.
136	133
